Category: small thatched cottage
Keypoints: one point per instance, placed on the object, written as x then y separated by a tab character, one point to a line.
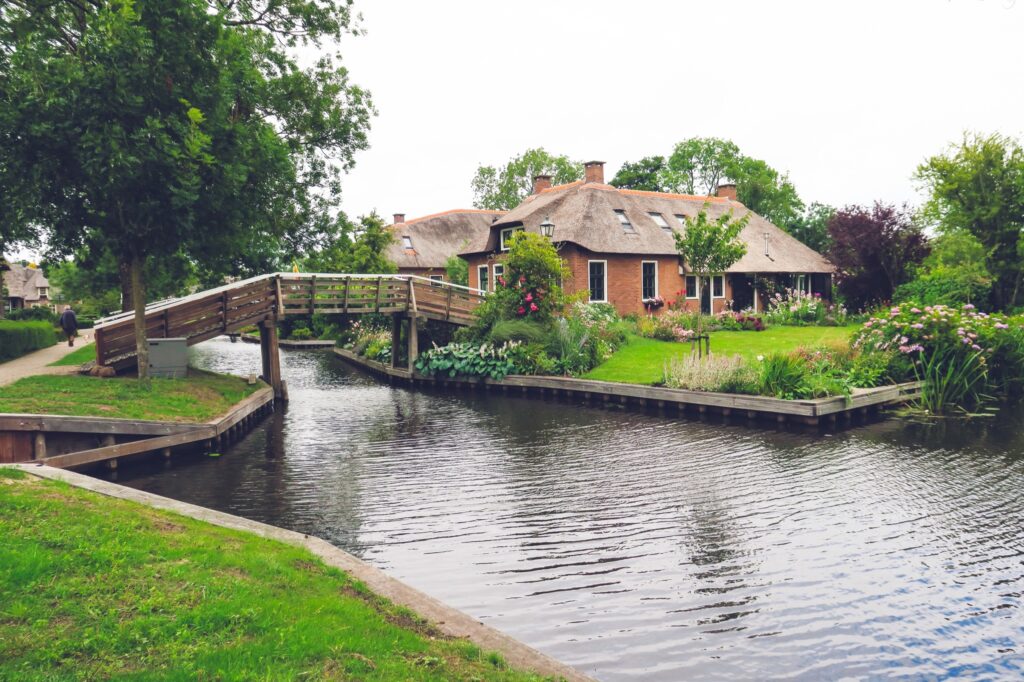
423	245
619	247
25	287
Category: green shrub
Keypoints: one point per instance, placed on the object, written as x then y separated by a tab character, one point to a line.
782	375
19	338
943	287
378	349
527	331
470	360
870	369
301	334
37	314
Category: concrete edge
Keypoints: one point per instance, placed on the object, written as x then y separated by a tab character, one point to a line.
447	619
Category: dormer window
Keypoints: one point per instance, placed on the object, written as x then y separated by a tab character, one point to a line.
624	221
407	242
506	234
682	220
660	221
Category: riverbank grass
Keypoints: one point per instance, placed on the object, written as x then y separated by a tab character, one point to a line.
79	356
642	360
197	398
97	588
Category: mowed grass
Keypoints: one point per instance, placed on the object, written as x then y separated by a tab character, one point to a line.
642	361
79	356
98	588
199	397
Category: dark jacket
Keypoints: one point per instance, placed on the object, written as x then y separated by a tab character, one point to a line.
69	321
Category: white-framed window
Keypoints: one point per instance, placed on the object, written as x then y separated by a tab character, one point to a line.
624	220
717	286
499	270
43	292
481	276
407	241
437	278
597	277
660	221
648	279
803	284
505	234
692	288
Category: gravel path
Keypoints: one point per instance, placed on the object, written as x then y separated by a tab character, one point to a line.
36	363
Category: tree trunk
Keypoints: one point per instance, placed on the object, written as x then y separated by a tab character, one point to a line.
138	293
124	272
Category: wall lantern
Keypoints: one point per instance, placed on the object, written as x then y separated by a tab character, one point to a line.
547	228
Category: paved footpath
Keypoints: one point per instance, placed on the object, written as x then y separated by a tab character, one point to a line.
36	363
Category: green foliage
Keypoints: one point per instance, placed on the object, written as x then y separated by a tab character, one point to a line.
713	373
527	331
355	248
977	187
36	314
811	227
79	356
794	307
19	338
782	375
645	174
505	188
954	273
470	360
457	270
301	334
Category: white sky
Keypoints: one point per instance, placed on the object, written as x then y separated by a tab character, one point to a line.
847	97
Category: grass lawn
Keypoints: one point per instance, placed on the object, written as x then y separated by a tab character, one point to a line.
99	588
642	361
200	397
79	356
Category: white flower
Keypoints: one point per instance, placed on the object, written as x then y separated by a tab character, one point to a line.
760	358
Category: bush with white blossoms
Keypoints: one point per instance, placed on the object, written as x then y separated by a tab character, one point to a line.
795	307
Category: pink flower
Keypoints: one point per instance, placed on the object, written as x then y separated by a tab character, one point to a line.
533	307
1000	325
917	326
968	306
522	310
915	310
529	297
976	346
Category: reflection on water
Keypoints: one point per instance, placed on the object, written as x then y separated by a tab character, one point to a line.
639	547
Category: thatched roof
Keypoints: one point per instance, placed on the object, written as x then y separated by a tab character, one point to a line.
24	282
437	237
584	214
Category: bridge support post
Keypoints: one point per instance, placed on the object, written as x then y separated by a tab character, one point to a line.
271	356
413	349
396	339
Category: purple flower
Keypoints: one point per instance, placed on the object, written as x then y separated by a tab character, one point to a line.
1000	325
976	347
917	326
968	306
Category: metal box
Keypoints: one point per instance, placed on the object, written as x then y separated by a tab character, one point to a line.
168	358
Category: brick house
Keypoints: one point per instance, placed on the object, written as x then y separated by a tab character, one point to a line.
25	287
423	245
618	246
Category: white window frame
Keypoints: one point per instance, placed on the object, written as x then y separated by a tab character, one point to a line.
681	219
660	221
497	271
436	278
407	242
719	277
696	287
483	281
502	236
624	221
803	284
642	264
590	289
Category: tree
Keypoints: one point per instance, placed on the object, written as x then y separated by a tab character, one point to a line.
505	188
812	226
699	164
356	249
645	174
875	250
954	273
174	127
709	247
457	270
978	187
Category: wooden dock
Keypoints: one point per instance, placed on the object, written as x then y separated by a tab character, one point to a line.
809	412
65	441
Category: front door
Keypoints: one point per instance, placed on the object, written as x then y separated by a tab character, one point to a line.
705	295
742	292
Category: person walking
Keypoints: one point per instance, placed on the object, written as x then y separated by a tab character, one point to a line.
69	323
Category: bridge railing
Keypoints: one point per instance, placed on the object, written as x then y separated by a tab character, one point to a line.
206	314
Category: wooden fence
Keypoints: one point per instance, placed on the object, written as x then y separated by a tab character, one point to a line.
226	309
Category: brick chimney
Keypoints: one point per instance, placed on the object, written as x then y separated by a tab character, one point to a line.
541	183
593	171
726	190
399	218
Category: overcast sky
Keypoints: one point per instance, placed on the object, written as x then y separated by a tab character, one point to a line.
846	97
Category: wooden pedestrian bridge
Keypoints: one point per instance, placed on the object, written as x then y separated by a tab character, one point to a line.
261	301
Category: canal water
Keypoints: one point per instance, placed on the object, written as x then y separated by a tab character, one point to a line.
638	547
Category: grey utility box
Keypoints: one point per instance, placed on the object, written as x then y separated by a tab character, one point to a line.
168	358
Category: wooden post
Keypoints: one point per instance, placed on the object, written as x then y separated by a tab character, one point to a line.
271	356
347	281
377	307
312	294
413	349
396	338
39	451
448	305
224	312
280	298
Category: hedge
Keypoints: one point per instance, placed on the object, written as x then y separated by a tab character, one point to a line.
18	338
